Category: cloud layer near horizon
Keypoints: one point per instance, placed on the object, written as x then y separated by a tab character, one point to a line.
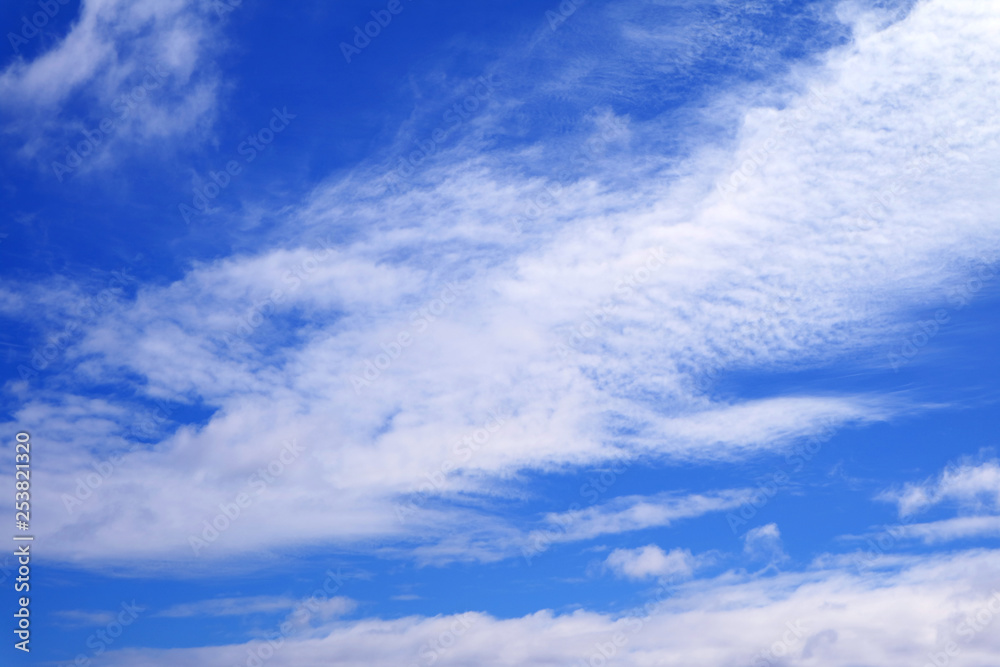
824	617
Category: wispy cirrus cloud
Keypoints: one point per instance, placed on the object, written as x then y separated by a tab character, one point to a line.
492	539
630	513
79	618
972	487
949	530
125	72
243	606
578	260
815	288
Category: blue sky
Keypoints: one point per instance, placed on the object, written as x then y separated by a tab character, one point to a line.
512	333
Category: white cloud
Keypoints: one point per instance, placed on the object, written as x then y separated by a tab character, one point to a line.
824	617
652	561
142	65
776	276
764	543
476	537
948	530
629	513
973	487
